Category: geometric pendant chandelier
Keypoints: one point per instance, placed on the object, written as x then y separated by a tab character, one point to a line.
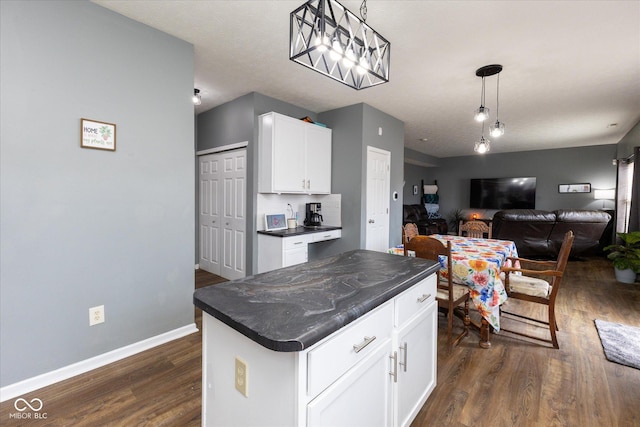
330	39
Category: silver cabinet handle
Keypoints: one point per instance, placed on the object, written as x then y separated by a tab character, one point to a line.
371	221
363	344
394	372
404	363
308	184
424	297
303	184
298	243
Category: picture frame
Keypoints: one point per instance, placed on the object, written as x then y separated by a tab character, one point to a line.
574	188
97	135
274	222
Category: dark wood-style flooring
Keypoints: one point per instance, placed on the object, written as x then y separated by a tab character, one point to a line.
515	383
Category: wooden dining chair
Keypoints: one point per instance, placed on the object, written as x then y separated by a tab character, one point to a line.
476	229
540	284
449	295
409	231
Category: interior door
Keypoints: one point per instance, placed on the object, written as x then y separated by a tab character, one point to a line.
234	195
222	225
210	213
378	184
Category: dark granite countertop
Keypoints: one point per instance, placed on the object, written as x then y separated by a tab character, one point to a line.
292	308
288	232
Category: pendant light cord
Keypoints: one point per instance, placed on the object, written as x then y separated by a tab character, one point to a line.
498	99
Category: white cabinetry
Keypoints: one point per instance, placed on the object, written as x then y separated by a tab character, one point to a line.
293	156
377	371
277	252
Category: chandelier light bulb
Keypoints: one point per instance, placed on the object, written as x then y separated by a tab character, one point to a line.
497	129
363	65
482	146
349	59
336	50
322	43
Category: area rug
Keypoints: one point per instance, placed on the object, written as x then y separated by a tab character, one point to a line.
621	343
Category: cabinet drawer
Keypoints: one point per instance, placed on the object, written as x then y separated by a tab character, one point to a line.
296	241
295	256
327	235
415	299
332	358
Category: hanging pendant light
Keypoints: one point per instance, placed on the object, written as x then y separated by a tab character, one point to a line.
482	113
330	39
197	99
482	145
496	130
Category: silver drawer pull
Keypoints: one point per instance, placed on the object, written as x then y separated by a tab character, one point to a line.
424	297
298	243
404	364
394	373
363	344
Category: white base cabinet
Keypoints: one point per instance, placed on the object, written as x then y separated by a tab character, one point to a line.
377	371
277	252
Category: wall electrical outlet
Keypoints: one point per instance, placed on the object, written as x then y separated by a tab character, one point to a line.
96	315
242	376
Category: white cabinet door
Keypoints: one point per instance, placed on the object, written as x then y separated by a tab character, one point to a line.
318	159
209	218
289	155
417	351
296	256
362	397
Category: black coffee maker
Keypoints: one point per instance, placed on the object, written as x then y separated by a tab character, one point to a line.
313	218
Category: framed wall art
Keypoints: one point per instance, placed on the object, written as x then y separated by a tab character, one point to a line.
574	188
98	135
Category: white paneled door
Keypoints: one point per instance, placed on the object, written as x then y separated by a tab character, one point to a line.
223	193
378	184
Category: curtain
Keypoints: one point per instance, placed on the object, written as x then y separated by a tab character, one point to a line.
634	211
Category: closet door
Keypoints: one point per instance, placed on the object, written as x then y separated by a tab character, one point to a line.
223	194
210	213
233	200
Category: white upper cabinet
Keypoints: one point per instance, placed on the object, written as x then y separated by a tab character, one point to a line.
293	156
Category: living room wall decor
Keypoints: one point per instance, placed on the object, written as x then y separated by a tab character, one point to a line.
574	188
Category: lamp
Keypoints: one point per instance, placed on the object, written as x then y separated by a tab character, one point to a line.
482	113
197	99
496	130
330	39
604	195
482	145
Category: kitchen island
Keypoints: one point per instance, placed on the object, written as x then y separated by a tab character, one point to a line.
346	340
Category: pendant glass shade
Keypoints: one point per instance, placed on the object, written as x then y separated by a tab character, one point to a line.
482	146
330	39
482	114
496	129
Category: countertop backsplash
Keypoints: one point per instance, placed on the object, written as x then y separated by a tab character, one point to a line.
278	203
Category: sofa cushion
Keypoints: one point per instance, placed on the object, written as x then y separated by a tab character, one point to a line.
528	228
587	227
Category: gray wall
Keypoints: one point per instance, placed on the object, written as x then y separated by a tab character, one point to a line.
354	128
237	121
81	227
550	167
630	140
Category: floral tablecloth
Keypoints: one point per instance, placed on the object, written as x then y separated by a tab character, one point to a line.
476	263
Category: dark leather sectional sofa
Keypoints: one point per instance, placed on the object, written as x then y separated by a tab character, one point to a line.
539	233
418	215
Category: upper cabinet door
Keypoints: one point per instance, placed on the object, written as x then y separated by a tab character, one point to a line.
294	156
318	160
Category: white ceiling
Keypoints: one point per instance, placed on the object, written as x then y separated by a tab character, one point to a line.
571	72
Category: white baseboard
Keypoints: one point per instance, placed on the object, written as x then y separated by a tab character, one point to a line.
43	380
197	266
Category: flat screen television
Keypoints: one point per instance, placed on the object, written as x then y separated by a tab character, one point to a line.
503	193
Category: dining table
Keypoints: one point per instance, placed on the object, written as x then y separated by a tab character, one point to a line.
476	263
